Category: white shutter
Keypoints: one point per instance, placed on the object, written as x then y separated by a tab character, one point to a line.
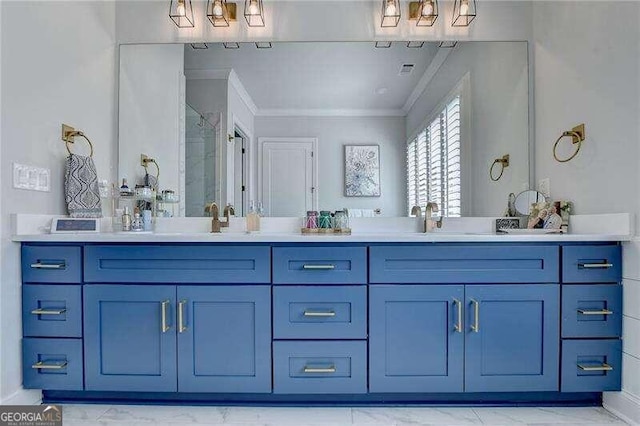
433	162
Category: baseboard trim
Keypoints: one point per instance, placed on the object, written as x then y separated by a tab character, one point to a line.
624	405
23	397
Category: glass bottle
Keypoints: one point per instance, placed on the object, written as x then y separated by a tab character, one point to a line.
253	220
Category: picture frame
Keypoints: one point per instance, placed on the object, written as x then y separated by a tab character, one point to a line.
362	170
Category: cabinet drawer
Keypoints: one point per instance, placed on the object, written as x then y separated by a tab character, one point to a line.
52	364
320	265
591	365
51	264
177	264
312	312
320	367
592	310
463	264
52	310
591	264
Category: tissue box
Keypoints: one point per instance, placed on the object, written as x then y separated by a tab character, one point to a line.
507	223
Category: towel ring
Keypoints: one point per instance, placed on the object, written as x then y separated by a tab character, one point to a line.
504	163
577	135
68	135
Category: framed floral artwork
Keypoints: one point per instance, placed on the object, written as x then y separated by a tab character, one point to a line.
362	170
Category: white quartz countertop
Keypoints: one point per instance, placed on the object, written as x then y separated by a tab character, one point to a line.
595	228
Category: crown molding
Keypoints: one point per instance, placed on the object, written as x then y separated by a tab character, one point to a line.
284	112
426	78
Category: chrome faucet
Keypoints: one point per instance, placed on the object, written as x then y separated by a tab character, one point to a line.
429	224
214	211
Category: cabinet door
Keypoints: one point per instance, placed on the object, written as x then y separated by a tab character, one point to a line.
512	338
224	339
416	338
130	339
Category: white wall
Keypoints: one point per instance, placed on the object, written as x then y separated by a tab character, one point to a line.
587	67
498	117
151	111
333	133
58	66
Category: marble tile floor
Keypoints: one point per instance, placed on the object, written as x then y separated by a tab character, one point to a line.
138	415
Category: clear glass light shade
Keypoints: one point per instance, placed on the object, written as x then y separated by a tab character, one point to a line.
464	11
390	13
254	13
181	13
218	13
428	13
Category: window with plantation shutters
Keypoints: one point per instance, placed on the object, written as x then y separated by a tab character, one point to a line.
433	162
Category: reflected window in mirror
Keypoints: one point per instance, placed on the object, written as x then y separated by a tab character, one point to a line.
434	160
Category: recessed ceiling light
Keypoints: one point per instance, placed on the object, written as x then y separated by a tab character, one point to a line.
231	45
199	46
383	44
448	44
381	90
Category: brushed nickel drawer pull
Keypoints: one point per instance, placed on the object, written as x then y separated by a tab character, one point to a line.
330	369
600	312
458	326
164	305
48	311
595	265
602	367
42	366
181	327
39	265
475	327
319	267
321	314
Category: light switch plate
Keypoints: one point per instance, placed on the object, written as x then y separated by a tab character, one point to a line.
31	178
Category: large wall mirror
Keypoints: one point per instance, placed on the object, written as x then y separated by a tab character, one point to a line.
303	126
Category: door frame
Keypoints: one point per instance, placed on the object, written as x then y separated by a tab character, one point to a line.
240	127
314	162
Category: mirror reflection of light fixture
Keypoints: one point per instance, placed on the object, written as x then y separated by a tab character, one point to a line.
383	44
464	11
181	13
220	13
415	44
390	13
254	13
231	45
447	44
199	46
424	12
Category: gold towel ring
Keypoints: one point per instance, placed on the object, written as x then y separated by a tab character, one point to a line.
504	162
68	135
577	137
86	138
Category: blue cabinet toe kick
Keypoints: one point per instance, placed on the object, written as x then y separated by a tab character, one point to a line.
381	399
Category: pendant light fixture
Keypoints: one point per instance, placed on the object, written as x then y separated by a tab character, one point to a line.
424	12
220	13
464	11
254	13
181	13
390	13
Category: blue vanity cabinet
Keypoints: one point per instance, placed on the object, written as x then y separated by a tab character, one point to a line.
416	338
224	338
130	338
512	337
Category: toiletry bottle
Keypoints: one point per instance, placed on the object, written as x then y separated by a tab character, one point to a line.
126	219
125	191
136	223
253	223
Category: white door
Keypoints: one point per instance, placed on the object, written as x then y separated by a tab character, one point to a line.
287	176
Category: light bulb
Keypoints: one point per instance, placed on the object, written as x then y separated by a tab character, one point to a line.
391	9
253	7
181	9
427	9
217	9
464	7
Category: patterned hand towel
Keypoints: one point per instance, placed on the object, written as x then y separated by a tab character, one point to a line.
81	187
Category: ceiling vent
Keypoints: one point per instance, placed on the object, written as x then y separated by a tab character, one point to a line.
406	69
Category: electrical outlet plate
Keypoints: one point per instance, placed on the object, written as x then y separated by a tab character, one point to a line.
31	178
144	159
544	186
